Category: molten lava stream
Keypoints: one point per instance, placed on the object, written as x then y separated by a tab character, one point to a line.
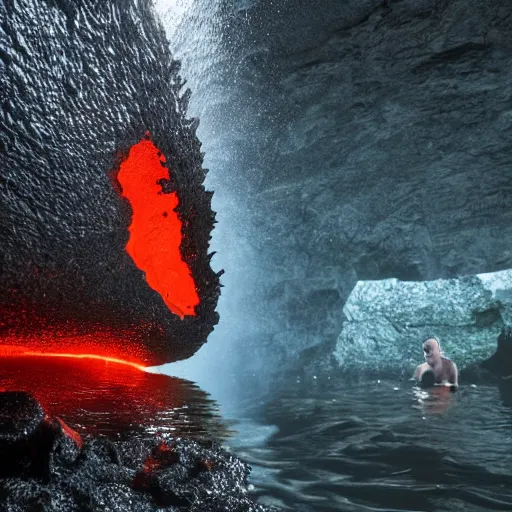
156	229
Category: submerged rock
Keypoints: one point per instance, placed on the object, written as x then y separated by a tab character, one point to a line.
45	466
388	320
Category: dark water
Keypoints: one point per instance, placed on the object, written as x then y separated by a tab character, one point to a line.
339	445
115	400
381	446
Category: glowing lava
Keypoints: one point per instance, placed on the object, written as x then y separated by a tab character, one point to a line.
93	397
155	230
21	351
86	356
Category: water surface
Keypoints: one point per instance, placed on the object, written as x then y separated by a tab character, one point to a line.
114	400
380	446
346	446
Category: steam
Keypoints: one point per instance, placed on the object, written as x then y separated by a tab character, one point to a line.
196	39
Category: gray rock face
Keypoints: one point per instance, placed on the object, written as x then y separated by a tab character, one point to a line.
373	141
388	320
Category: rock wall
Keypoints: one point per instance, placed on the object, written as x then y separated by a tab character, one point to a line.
372	141
82	83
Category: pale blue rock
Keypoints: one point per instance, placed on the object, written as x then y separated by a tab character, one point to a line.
387	321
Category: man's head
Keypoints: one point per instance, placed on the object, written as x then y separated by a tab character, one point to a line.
432	351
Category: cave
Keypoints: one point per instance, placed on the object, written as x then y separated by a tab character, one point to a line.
341	171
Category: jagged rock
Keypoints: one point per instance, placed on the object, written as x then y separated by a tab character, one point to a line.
45	465
500	363
80	84
31	445
20	416
388	320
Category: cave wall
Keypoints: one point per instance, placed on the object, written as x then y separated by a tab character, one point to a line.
349	141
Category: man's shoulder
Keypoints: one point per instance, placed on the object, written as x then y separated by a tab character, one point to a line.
448	363
449	366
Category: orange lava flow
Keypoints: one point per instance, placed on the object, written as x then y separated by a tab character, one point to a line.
155	230
86	356
24	351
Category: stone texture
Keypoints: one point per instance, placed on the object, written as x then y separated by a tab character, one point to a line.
45	465
81	82
388	320
349	141
500	363
31	445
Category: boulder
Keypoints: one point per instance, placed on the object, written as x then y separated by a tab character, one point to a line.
32	445
387	320
45	465
89	90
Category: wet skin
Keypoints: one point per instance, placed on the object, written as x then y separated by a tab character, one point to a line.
443	370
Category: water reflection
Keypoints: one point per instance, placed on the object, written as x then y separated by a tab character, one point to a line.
118	401
436	400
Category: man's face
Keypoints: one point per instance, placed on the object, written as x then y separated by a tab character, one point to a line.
431	351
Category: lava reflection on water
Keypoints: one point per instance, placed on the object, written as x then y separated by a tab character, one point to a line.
97	396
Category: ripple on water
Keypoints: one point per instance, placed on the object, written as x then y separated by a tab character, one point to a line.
383	446
117	401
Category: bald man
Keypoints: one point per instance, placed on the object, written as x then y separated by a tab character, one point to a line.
437	370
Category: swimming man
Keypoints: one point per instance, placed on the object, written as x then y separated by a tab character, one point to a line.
437	370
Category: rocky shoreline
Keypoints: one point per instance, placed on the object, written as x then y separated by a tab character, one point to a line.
47	466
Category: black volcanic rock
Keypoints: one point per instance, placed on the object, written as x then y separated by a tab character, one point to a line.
80	83
44	465
31	445
20	417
